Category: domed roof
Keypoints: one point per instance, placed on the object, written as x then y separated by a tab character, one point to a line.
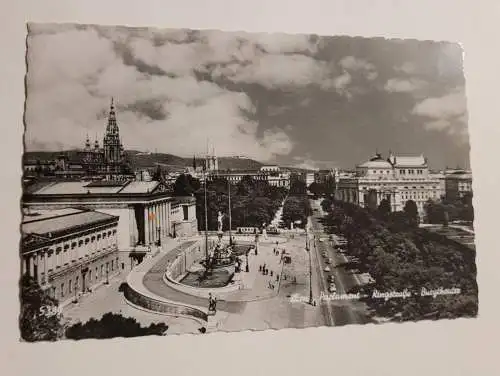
376	162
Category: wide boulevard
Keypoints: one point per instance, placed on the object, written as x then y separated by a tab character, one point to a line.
338	312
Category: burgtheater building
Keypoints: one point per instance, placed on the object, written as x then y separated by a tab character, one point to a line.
69	251
397	179
147	213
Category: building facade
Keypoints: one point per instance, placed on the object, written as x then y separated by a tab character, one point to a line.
458	183
146	210
69	251
92	162
397	179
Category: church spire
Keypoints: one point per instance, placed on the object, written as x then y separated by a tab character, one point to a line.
112	127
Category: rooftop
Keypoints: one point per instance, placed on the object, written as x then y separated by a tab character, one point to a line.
100	187
410	161
54	221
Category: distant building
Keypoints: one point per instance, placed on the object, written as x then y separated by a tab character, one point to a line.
92	162
397	179
440	177
274	176
69	251
309	178
148	215
458	183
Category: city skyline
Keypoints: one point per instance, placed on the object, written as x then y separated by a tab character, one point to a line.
294	100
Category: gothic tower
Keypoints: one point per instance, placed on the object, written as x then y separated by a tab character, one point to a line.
112	146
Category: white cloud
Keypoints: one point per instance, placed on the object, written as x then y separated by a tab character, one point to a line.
273	71
73	74
407	67
352	63
437	124
446	114
399	85
450	105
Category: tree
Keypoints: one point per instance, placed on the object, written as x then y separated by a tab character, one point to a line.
40	319
316	189
157	174
384	207
411	212
113	325
186	185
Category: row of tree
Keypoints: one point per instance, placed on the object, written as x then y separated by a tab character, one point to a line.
253	202
447	210
296	210
41	320
400	256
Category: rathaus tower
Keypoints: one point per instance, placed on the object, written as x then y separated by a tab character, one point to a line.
112	146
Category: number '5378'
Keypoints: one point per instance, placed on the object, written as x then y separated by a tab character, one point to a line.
50	310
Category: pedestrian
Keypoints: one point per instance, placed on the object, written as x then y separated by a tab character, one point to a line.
260	268
277	278
271	273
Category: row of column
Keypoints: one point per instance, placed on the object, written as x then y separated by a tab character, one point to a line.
156	219
49	259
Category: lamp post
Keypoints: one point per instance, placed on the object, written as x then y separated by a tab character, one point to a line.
310	269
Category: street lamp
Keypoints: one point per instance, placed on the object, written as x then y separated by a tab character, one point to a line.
310	269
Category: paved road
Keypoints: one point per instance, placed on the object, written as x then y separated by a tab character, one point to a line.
343	311
153	280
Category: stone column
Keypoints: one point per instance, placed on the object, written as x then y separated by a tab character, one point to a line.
45	269
32	266
146	225
151	224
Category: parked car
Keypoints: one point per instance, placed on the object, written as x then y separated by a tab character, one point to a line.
328	261
327	269
331	278
332	288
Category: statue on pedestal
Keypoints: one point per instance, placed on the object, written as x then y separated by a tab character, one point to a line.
220	216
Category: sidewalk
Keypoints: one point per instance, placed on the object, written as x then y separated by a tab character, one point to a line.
278	311
107	298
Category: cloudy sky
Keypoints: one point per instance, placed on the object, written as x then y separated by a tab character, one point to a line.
290	99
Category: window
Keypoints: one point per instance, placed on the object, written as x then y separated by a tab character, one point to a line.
73	245
90	275
87	240
96	273
185	211
70	286
62	290
76	282
102	268
114	232
80	243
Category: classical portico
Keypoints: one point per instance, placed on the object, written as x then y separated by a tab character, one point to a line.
147	212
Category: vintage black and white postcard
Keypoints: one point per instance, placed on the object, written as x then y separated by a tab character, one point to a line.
194	181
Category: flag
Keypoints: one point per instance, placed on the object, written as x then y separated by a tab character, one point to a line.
151	216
